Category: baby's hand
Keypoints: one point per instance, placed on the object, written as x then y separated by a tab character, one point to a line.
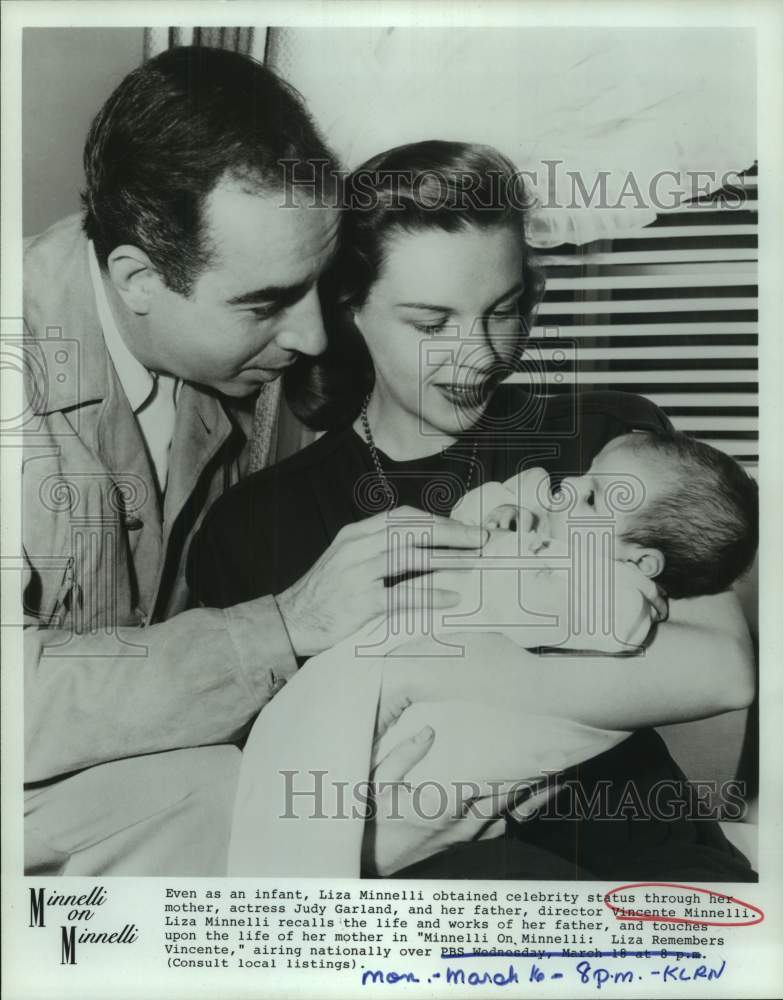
509	517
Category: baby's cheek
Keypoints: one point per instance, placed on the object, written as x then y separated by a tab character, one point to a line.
526	520
557	523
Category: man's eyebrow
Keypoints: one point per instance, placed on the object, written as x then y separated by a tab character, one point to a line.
281	295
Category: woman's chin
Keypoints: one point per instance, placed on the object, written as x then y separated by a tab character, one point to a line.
457	414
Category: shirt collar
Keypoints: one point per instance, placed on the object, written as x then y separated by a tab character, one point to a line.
137	383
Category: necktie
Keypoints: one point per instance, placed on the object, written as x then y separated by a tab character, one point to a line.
157	418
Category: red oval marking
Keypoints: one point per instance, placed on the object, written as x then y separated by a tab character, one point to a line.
622	911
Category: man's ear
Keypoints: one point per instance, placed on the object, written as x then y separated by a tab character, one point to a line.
134	277
650	561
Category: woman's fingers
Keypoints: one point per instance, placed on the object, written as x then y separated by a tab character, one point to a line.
491	799
628	575
413	823
400	759
494	828
389	711
533	803
660	606
518	797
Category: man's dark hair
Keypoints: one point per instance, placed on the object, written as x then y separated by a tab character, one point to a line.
706	524
169	133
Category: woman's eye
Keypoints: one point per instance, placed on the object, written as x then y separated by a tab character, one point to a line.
506	314
430	327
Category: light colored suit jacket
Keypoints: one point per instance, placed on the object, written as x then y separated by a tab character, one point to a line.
115	664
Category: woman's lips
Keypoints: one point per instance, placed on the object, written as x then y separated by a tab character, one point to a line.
465	396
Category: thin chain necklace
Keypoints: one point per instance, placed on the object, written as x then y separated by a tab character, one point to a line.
376	461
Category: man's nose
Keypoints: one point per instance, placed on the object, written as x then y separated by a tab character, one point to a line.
302	329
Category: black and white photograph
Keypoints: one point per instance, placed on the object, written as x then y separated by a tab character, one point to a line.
386	462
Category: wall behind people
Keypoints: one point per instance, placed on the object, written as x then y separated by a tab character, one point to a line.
66	78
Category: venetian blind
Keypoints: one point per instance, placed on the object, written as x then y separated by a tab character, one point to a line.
669	311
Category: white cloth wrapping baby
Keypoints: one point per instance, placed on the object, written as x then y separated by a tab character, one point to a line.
310	753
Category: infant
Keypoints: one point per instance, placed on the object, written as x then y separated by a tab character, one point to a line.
685	514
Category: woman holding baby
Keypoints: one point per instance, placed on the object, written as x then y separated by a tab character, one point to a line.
429	304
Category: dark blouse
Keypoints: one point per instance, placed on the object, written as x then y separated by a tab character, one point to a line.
266	532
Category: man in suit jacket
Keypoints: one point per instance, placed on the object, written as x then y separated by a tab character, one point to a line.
151	325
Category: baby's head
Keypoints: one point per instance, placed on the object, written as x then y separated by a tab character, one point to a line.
695	526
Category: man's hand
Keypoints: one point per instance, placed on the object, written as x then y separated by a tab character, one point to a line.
346	588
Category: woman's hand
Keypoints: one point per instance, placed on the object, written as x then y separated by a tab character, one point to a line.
699	664
411	824
345	589
635	605
543	596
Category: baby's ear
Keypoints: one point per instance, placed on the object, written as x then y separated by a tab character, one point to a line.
650	561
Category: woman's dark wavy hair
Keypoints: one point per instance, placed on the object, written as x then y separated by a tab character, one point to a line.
432	185
171	130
